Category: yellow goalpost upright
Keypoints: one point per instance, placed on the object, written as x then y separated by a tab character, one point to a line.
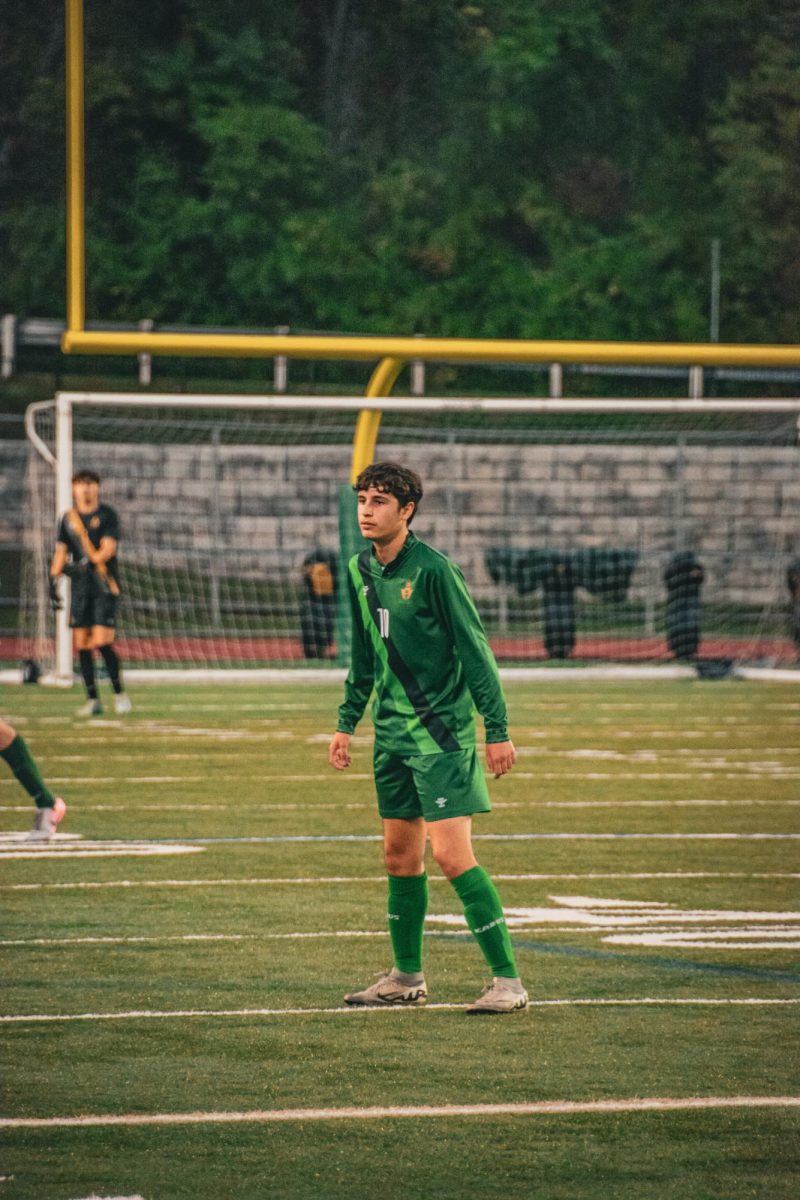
390	353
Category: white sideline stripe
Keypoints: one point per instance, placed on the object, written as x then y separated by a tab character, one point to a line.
349	879
266	805
701	943
52	852
272	839
638	928
714	940
182	1014
540	1108
155	939
229	776
72	845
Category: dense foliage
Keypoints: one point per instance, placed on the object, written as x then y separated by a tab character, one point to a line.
508	168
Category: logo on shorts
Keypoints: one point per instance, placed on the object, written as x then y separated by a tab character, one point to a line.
441	801
407	591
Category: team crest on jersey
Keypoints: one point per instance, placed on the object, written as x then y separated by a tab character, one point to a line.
95	522
407	591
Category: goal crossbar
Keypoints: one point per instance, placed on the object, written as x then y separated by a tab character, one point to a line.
398	404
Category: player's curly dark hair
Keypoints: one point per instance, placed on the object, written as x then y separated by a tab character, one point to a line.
401	482
86	477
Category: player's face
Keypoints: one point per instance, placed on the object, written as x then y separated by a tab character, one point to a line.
380	517
86	495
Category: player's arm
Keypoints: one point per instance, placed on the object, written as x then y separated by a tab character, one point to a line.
105	551
457	612
109	536
358	684
59	560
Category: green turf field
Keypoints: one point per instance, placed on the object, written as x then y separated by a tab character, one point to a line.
182	951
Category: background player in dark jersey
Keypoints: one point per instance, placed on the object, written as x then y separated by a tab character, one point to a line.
50	809
418	642
86	551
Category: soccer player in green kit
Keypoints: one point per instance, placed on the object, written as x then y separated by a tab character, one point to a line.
419	643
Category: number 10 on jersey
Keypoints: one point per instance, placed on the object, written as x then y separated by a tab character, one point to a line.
383	622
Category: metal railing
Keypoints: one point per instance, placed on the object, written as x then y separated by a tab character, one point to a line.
45	333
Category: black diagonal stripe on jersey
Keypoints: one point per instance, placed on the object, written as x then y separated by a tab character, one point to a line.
434	725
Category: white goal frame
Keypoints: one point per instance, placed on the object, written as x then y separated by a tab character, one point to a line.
61	460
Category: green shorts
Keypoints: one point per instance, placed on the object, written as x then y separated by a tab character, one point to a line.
433	786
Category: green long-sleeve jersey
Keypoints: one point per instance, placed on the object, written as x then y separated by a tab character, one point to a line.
419	642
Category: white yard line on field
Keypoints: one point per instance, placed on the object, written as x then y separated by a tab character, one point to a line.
305	880
774	939
156	939
537	1108
183	1014
322	838
259	805
72	845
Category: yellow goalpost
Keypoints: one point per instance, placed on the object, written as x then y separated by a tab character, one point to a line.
390	353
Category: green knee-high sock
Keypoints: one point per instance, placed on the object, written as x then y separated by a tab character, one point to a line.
484	913
408	903
19	758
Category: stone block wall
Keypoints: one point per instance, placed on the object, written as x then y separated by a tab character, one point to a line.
264	507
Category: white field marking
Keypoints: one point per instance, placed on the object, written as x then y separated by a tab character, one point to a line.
712	940
690	837
256	805
208	1013
585	917
534	805
360	879
155	728
638	918
156	939
236	706
72	845
133	852
323	838
230	776
657	776
538	1108
604	804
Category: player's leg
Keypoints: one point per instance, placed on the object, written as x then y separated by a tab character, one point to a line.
51	809
455	783
404	857
103	641
82	642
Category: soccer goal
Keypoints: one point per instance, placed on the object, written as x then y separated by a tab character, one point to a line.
588	530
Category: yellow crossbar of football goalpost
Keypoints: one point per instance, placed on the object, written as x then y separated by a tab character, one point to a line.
391	353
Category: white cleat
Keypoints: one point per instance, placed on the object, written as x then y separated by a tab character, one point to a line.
122	703
500	996
46	821
390	991
92	708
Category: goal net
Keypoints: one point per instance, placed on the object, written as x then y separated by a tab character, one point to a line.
630	531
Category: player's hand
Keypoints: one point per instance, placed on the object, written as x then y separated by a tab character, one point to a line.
55	598
500	757
339	751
